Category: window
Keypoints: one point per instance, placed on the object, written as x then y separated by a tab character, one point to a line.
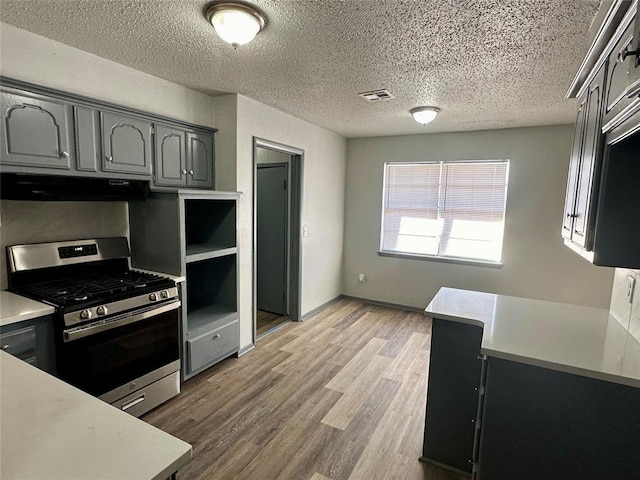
445	209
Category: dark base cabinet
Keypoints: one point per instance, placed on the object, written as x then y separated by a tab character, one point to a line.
452	395
541	424
31	341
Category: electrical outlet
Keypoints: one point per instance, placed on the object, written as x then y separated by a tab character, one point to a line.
362	278
631	282
305	231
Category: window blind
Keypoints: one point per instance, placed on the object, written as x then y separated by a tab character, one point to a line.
448	209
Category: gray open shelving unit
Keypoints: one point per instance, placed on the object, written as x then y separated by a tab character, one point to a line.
193	235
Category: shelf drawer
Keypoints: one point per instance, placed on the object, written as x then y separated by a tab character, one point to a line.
20	343
213	346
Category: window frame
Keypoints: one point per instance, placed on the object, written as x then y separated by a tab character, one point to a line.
442	258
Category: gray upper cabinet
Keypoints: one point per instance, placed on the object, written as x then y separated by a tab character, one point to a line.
200	158
36	132
584	167
183	158
126	143
56	133
171	165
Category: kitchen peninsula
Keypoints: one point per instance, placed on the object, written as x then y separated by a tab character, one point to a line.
52	430
522	388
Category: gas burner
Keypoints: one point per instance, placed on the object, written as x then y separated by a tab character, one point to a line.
80	299
140	285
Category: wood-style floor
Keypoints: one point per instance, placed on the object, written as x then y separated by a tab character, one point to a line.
339	396
265	321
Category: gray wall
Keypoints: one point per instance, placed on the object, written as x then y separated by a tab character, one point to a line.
34	222
535	262
323	193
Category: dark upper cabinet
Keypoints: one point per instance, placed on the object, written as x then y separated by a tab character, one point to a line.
584	170
574	168
200	158
126	143
601	221
171	164
36	132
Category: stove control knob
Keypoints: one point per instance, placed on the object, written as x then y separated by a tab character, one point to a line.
153	297
164	294
102	310
85	314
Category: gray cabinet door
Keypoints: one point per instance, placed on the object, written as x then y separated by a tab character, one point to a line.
574	169
171	168
199	160
35	132
126	143
590	164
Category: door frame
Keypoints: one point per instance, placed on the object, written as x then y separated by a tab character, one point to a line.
295	230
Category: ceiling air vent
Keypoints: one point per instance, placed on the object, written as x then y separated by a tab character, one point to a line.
376	95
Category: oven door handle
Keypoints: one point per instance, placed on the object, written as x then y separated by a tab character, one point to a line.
93	328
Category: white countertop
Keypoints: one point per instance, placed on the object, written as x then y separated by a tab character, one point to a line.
16	308
580	340
52	430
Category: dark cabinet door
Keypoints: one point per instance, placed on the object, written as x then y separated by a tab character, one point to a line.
126	144
619	65
35	132
574	168
634	66
200	158
171	165
452	394
590	162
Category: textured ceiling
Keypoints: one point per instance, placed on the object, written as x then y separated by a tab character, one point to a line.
485	63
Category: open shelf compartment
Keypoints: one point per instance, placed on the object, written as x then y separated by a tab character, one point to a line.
211	293
210	226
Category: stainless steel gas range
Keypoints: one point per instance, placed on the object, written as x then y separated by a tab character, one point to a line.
116	329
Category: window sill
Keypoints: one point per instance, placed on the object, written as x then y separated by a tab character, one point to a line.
433	258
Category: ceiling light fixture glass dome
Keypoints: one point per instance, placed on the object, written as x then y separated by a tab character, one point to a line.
235	22
424	115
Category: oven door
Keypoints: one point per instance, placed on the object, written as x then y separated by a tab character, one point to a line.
102	356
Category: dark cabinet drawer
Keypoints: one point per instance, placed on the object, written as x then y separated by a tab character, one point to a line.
213	346
20	343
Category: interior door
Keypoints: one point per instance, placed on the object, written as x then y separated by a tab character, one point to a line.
272	237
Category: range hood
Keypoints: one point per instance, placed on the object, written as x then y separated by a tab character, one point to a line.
17	186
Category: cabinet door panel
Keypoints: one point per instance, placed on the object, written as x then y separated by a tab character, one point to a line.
634	66
126	144
589	177
200	160
574	169
35	132
617	76
170	157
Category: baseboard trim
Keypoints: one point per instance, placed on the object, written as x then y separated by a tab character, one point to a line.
445	467
321	307
245	349
384	304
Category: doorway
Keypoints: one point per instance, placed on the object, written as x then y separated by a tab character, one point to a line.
277	229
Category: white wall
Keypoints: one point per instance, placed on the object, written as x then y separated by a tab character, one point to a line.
35	59
322	201
536	264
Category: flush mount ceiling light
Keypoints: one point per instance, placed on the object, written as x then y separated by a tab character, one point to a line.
424	115
235	22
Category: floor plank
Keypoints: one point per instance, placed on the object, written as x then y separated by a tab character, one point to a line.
340	396
265	321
